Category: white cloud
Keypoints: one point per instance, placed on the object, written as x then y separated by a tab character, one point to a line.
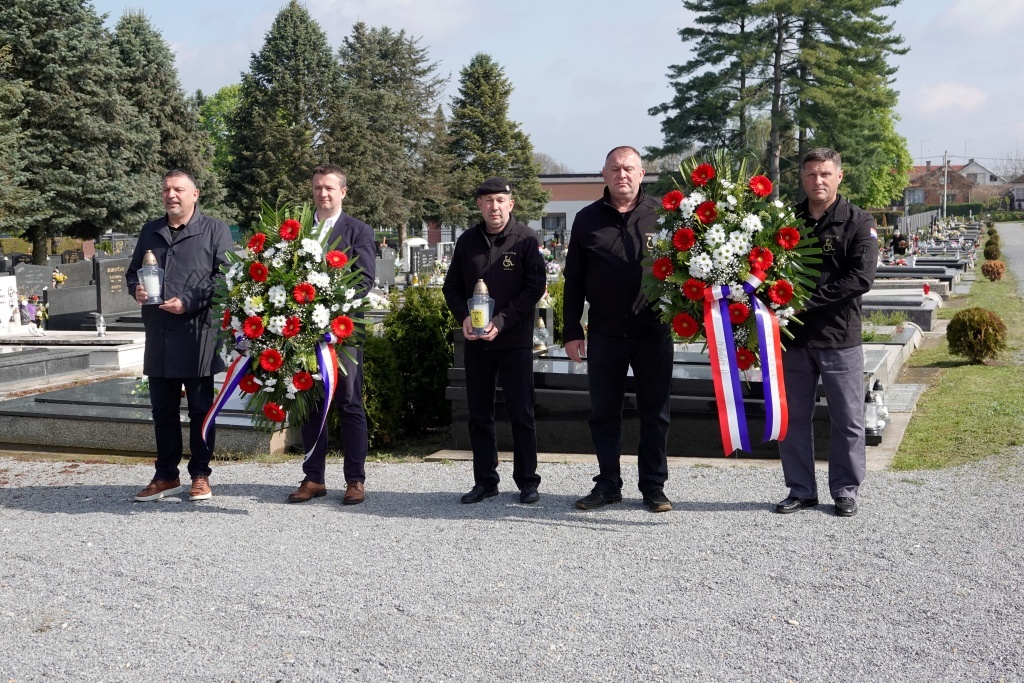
945	100
983	18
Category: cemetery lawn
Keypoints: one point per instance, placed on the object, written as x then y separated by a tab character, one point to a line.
970	412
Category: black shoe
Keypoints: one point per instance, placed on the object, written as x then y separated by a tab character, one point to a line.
529	495
846	507
657	501
478	493
598	498
794	504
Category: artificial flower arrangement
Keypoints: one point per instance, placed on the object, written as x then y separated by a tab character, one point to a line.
731	268
287	306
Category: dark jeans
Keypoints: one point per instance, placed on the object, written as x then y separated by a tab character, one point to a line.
608	362
348	401
514	367
165	397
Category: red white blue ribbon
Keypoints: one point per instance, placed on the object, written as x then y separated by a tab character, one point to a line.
327	359
769	343
234	375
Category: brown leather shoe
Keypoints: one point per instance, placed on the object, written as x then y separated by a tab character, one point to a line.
157	489
355	493
307	490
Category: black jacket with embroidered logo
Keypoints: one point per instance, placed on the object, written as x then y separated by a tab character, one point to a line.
849	245
511	266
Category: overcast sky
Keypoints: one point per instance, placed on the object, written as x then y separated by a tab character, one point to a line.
586	72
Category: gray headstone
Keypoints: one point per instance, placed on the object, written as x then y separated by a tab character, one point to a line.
5	265
386	271
54	261
33	279
72	256
79	273
111	290
387	253
69	307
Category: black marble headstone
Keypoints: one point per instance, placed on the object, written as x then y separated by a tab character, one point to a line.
79	273
111	290
69	308
18	257
33	279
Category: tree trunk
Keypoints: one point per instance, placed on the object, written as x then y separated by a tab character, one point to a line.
40	246
775	138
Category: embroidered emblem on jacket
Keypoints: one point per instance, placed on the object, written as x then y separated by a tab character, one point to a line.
507	261
828	247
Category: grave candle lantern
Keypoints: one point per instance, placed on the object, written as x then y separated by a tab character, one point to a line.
152	278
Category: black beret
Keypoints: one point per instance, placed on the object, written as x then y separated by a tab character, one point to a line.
494	186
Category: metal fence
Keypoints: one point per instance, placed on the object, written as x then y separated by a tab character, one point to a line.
911	224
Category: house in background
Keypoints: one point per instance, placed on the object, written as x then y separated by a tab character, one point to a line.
570	192
972	170
927	183
1017	194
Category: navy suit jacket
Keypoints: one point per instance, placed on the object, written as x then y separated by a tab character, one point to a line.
356	240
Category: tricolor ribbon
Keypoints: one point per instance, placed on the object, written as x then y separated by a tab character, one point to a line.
234	375
327	359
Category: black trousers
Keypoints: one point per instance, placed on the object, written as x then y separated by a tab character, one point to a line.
165	397
355	439
514	367
608	362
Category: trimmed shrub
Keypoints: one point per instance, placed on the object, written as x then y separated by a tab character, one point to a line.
992	252
993	270
993	239
991	230
382	391
976	333
556	290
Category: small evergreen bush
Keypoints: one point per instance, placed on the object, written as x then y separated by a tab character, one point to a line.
976	333
993	270
992	252
556	290
382	391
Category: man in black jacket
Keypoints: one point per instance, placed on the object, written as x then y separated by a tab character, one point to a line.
828	345
505	254
604	266
181	339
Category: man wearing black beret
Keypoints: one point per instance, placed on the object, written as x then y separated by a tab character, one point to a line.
505	254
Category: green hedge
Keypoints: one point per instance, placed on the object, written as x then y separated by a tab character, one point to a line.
974	208
382	394
1005	216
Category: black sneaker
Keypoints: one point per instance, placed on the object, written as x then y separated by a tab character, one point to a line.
529	495
846	507
478	493
657	501
598	498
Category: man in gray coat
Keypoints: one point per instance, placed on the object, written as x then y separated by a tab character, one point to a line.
181	338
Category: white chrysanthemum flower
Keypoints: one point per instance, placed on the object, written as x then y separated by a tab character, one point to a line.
312	248
320	316
751	223
778	203
727	184
664	235
715	236
278	261
270	382
276	324
320	280
236	324
277	295
700	266
740	241
350	293
335	308
785	313
736	293
269	252
252	305
731	200
345	308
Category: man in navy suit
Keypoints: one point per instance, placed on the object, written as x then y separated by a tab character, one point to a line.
356	240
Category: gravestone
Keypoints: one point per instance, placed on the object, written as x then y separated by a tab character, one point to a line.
387	253
72	256
445	251
111	290
385	272
421	259
54	261
88	249
5	265
79	274
18	257
33	279
70	308
8	299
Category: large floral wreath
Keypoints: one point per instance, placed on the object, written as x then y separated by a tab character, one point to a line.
286	306
731	268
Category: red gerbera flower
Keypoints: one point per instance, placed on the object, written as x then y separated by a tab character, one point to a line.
672	200
683	239
336	259
271	360
662	267
760	186
274	412
702	174
780	293
706	212
302	380
684	325
253	327
290	229
762	257
304	293
249	384
256	242
694	289
292	326
738	312
225	323
788	237
258	272
744	358
342	326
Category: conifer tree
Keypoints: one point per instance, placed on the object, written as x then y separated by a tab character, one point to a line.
486	143
81	136
14	199
279	132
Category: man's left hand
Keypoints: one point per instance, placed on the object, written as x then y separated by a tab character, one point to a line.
490	332
173	306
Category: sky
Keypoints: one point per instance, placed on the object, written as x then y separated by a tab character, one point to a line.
585	72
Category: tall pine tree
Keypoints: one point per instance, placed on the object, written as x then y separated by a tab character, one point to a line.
279	131
14	198
81	136
486	143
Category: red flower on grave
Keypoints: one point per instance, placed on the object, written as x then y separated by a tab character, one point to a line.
761	257
271	360
702	174
290	229
693	289
738	312
225	322
304	293
787	237
249	384
683	239
292	326
342	326
662	267
256	242
336	259
253	327
274	412
302	380
760	186
780	293
706	212
258	272
684	325
672	200
744	358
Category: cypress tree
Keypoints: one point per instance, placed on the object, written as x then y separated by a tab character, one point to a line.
486	143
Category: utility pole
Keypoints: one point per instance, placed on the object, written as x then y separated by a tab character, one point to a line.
945	182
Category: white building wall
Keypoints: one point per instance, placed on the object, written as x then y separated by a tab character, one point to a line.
569	208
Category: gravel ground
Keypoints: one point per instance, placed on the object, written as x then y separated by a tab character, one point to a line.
925	584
